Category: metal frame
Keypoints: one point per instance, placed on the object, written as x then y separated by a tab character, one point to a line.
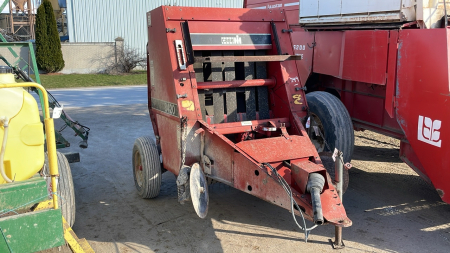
61	142
176	95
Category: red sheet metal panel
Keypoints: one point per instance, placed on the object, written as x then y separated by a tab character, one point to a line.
221	153
392	73
423	101
365	56
227	27
290	7
365	102
248	126
327	53
302	44
222	14
278	148
254	180
368	109
157	72
408	156
169	143
301	170
352	55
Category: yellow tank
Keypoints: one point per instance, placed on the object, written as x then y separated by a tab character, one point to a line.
24	153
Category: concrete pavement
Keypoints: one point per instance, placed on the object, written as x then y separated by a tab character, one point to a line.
101	96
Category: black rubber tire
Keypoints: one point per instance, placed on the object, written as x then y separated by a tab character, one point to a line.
146	167
66	191
336	126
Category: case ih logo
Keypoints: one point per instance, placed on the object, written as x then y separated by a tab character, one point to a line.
273	6
428	131
231	40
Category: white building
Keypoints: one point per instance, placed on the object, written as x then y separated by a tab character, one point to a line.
103	21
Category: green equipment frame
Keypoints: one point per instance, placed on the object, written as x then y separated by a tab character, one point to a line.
80	130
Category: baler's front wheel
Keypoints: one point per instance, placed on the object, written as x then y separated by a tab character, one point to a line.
66	191
146	167
334	124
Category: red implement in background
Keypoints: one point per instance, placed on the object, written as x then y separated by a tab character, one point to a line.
392	80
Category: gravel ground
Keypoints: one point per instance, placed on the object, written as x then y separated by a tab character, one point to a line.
392	209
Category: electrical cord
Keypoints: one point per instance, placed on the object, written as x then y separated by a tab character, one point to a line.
288	190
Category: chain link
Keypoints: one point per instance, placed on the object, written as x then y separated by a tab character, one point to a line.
183	139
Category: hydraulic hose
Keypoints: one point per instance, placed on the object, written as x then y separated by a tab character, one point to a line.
4	122
315	187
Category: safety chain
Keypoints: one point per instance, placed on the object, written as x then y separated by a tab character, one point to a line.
183	138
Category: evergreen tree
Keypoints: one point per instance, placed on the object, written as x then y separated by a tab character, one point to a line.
48	45
42	50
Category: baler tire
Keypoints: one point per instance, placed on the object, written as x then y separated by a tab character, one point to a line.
146	160
335	125
66	191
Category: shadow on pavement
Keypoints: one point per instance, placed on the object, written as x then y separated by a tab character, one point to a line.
390	212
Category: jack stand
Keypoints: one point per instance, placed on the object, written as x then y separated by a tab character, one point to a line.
339	177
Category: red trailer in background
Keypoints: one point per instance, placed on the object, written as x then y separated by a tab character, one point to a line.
392	76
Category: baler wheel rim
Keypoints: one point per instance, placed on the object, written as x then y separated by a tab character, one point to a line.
138	169
148	180
317	141
335	122
335	125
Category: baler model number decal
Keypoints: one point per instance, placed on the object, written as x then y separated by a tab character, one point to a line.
299	47
213	39
165	107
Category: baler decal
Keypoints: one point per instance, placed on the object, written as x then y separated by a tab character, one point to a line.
428	131
297	99
209	39
188	105
165	107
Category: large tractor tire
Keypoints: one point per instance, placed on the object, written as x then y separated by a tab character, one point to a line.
336	129
66	191
146	167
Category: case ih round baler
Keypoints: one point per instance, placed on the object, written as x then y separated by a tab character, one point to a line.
227	105
389	65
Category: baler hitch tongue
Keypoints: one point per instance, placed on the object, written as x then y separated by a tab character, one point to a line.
315	186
